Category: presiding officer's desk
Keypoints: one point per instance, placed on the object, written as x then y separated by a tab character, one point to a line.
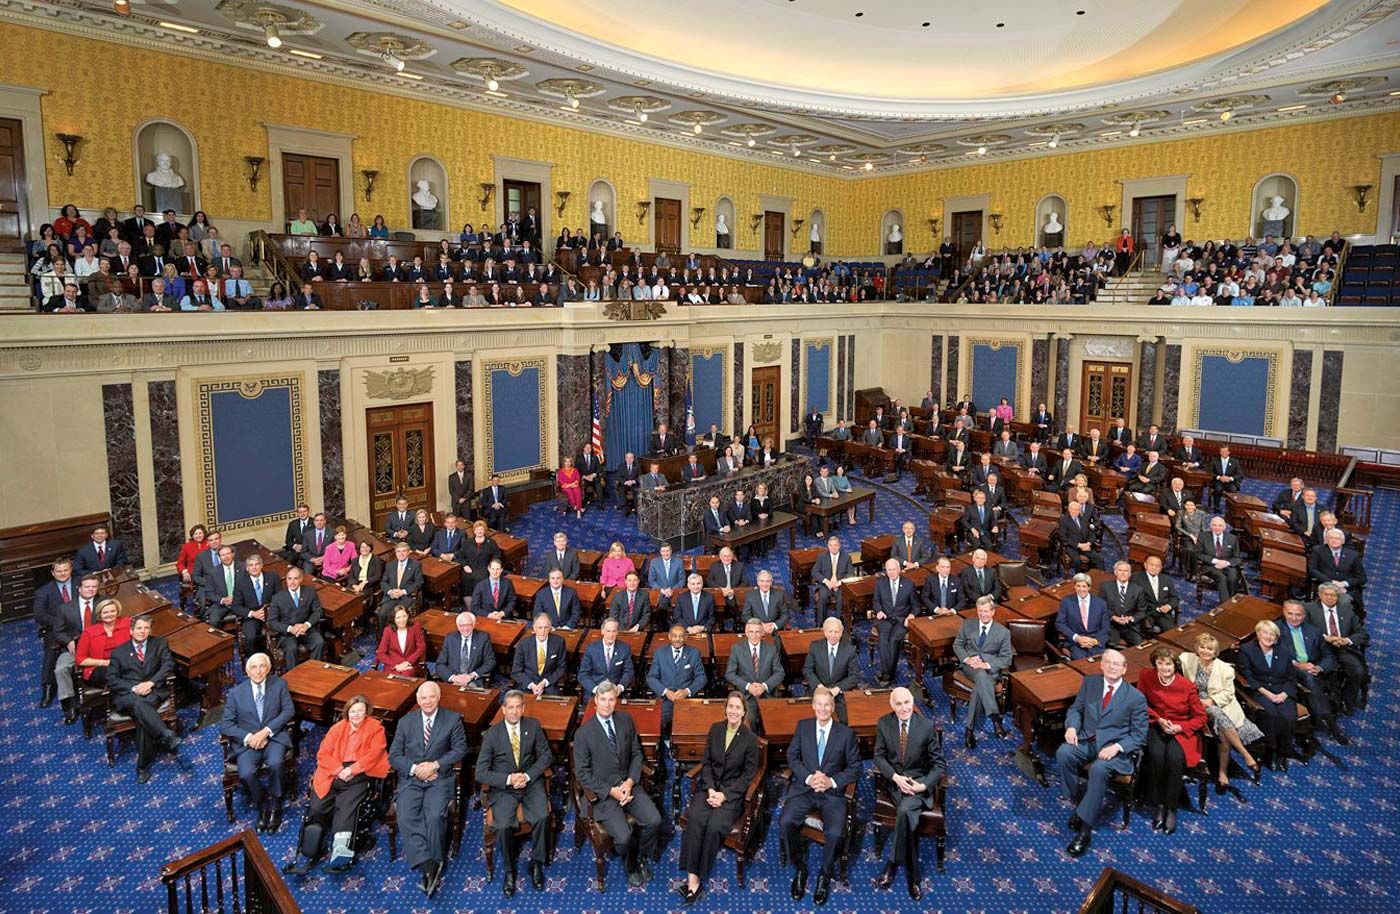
676	513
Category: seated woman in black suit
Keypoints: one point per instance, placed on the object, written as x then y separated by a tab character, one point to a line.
313	270
339	270
420	535
1267	668
731	760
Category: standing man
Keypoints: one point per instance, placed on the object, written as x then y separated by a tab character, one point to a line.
257	715
138	679
427	743
512	761
590	468
459	490
665	575
910	549
909	758
1082	620
983	649
99	553
824	759
48	598
1226	475
293	543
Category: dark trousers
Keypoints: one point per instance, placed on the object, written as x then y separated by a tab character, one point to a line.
1218	492
1226	579
595	490
46	674
705	830
1087	797
1319	702
626	495
631	844
97	678
1081	561
495	517
826	603
905	851
339	805
422	808
1166	762
250	631
288	644
250	760
1353	676
832	806
1128	633
892	634
149	727
1278	723
535	805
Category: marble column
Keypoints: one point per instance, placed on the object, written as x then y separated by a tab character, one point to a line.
1040	373
1061	409
1171	388
840	405
165	461
740	390
466	452
661	389
796	408
1330	405
680	381
575	407
935	367
332	458
119	421
1299	395
954	342
1147	380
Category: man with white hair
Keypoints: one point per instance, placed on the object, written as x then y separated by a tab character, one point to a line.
429	740
909	757
257	722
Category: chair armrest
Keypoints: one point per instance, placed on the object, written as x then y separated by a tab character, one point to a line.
694	770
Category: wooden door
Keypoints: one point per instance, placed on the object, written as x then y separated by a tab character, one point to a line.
1105	394
766	410
1151	216
400	459
520	197
667	227
14	186
773	237
312	182
967	231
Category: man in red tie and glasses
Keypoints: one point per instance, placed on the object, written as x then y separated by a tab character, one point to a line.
99	554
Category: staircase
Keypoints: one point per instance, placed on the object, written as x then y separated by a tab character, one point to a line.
1133	288
14	283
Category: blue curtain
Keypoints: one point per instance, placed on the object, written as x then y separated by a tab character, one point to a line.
630	394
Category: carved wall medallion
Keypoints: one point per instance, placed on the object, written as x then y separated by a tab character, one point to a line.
399	384
766	353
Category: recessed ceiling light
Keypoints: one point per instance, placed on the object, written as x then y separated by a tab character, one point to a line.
1136	131
1338	98
869	166
1054	142
699	128
410	76
178	27
122	7
1225	116
307	54
981	150
1293	108
1079	12
274	40
1396	92
1194	120
833	157
752	142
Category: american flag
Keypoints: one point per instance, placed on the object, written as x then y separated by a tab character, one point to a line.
597	430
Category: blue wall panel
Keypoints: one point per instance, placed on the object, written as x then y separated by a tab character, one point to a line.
254	460
994	374
707	389
1233	396
818	365
515	419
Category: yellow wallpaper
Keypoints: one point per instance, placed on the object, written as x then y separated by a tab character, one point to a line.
1326	158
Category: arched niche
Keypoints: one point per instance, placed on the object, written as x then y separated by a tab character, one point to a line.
1278	184
602	192
428	205
892	219
151	140
816	231
724	207
1045	235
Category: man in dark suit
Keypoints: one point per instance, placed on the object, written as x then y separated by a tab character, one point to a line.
894	602
314	542
606	660
256	720
1159	597
692	472
206	561
397	524
48	597
727	574
979	580
1082	620
467	657
563	557
216	594
1120	434
1127	609
135	227
539	662
942	591
1093	450
512	761
1034	460
1188	456
980	526
401	581
834	663
1218	557
1226	474
831	567
1344	632
1005	447
1173	500
1061	473
812	426
663	442
1077	538
1149	477
138	675
493	500
754	669
983	649
714	519
447	539
628	478
980	471
63	625
253	590
1288	501
909	758
459	490
293	542
428	741
1104	727
676	673
1306	517
631	606
909	548
559	601
903	447
100	553
693	608
666	575
1313	659
824	758
591	471
1068	441
768	605
295	617
608	765
1152	440
1339	566
494	596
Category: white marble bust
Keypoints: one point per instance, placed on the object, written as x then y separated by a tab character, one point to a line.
164	175
1275	211
896	235
816	234
720	227
1052	224
424	198
596	216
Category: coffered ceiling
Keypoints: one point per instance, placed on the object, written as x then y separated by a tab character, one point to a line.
808	83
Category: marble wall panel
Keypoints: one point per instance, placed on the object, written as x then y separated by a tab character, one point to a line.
165	460
119	421
1171	388
575	404
332	456
1298	398
1330	405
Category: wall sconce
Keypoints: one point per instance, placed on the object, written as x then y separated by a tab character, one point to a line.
255	164
754	220
70	143
1195	204
796	227
695	213
1107	209
1362	192
643	207
370	174
995	220
488	190
562	196
933	225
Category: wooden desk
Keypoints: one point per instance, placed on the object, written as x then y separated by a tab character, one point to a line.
874	551
874	461
794	643
27	552
1280	570
390	695
1281	540
1142	545
166	621
864	708
504	634
828	507
514	551
931	639
1107	483
476	706
1184	636
757	530
341	609
1138	658
556	714
589	562
312	684
441	579
1041	607
525	590
800	565
202	652
137	599
1036	695
857	597
646	714
1063	589
1254	608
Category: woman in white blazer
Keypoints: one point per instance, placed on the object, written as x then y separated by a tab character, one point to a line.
1215	681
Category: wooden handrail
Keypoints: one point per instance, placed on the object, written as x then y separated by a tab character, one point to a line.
199	880
1346	474
269	254
1114	892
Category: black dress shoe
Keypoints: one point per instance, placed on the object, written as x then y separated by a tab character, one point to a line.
916	891
1333	727
1075	823
274	825
644	867
1282	762
799	885
822	890
634	878
339	865
537	876
508	886
263	818
1158	822
1169	823
1221	788
143	775
970	739
298	867
1080	844
999	728
46	697
692	897
886	877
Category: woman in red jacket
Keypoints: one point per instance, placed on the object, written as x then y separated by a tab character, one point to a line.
184	562
1177	717
402	646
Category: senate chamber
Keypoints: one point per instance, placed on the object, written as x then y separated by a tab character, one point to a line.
866	508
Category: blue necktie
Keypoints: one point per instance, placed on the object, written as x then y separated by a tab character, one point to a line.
257	588
982	637
612	734
821	745
258	700
296	599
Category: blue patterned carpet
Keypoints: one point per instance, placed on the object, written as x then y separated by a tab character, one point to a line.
77	836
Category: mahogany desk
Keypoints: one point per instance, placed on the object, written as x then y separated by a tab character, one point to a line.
829	507
1037	694
312	684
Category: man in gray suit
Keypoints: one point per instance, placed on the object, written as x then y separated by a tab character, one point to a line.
1344	631
834	663
563	558
655	480
402	579
872	435
1005	447
910	549
767	605
983	648
831	567
1106	724
754	669
824	484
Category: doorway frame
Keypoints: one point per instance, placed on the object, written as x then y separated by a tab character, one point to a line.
1082	423
305	141
23	104
429	453
1164	186
671	190
779	435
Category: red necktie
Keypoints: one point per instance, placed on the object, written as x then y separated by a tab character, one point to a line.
1336	557
102	555
755	660
141	652
495	594
1217	547
87	613
1107	697
1332	624
63	591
